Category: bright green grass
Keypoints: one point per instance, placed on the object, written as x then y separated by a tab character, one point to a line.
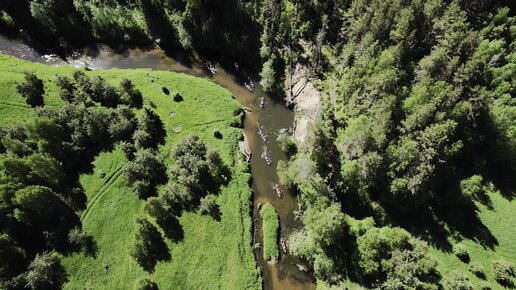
270	232
501	222
213	254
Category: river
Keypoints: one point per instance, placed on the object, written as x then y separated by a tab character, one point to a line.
284	274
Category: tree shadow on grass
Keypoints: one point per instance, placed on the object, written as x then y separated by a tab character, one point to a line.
90	247
171	227
152	251
465	221
425	224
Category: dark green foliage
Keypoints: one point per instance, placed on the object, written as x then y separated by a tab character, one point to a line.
472	188
104	93
457	281
39	189
123	124
414	135
149	247
12	258
504	272
150	132
477	269
41	208
144	173
287	142
34	169
32	90
60	18
132	96
45	272
208	206
394	253
67	89
15	140
461	252
128	149
196	169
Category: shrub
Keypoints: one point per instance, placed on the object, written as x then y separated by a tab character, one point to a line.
287	143
461	251
207	205
197	170
477	269
67	89
104	93
457	281
128	149
471	187
504	271
217	134
484	285
32	90
77	237
178	98
145	284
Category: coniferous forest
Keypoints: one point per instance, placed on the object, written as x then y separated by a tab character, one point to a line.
401	156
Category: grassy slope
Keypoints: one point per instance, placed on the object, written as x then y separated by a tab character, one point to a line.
500	220
213	254
270	232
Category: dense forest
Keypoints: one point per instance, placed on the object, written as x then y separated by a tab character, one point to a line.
418	127
414	143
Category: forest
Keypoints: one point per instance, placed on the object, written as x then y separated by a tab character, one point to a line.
405	179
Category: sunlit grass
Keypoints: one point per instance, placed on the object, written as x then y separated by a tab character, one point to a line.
213	254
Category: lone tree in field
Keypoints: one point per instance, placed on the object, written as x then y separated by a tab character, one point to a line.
32	90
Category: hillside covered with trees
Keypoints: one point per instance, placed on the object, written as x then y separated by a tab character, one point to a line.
404	181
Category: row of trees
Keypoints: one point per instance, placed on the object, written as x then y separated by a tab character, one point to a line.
195	178
421	121
41	160
225	28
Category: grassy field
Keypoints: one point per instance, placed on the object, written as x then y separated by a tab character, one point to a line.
213	254
500	220
270	232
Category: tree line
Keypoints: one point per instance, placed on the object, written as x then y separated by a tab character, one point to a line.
223	28
40	163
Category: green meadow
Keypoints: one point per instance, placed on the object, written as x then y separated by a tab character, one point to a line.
213	254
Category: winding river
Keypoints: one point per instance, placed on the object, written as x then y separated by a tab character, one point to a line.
285	273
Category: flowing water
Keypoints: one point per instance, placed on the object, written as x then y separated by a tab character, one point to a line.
285	273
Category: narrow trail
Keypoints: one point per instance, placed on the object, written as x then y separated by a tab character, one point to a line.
100	192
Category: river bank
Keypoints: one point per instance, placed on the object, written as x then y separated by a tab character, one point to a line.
274	116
